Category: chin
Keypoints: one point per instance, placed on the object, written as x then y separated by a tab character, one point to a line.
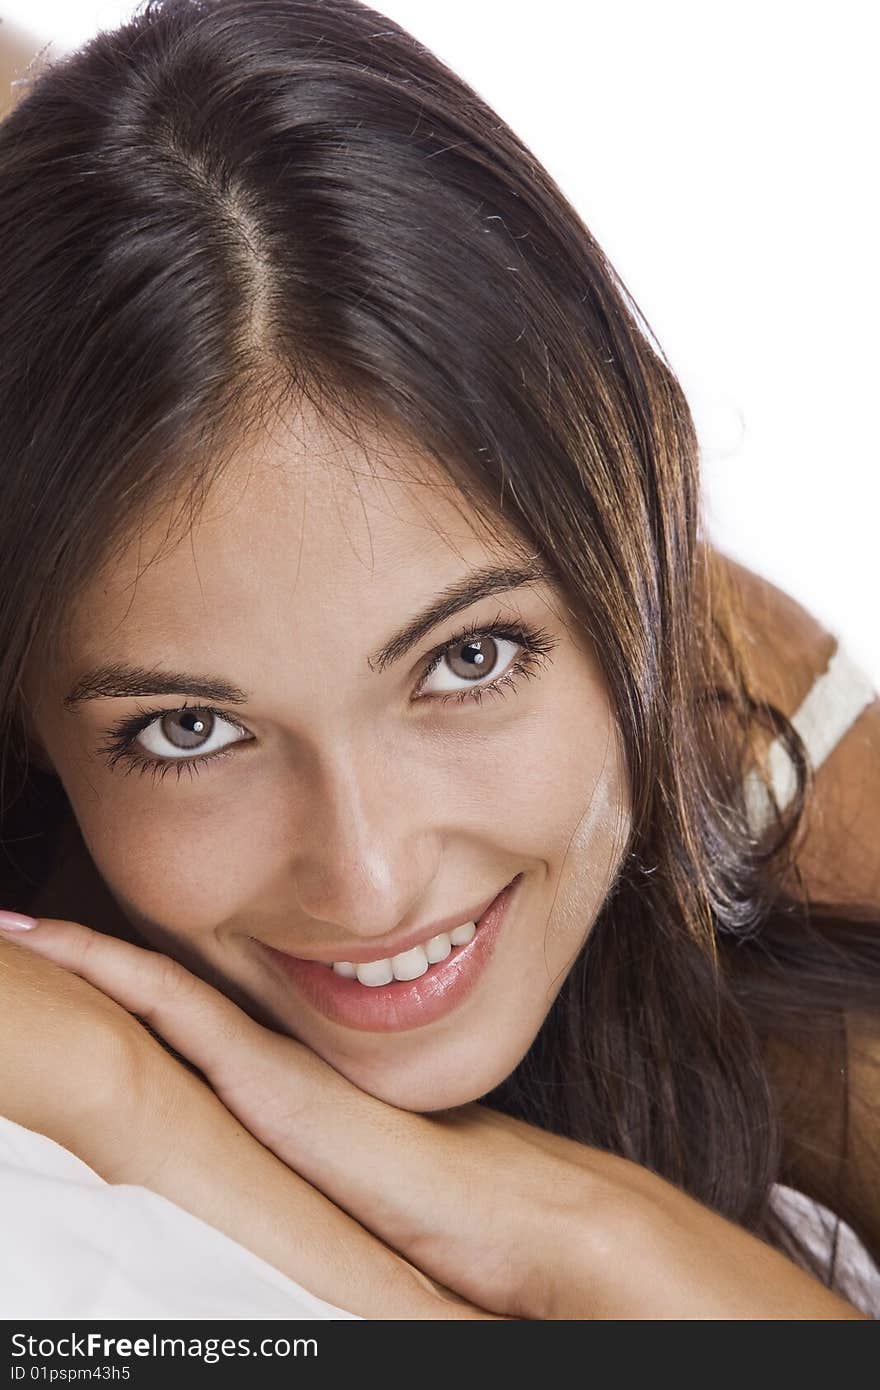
419	1088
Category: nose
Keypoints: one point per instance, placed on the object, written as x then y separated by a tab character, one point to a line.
367	856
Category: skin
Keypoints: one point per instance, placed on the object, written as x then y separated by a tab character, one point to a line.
521	1223
357	807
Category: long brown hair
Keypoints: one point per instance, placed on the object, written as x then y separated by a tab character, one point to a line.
228	205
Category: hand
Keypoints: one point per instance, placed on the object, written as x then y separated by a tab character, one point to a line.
78	1067
516	1220
67	1055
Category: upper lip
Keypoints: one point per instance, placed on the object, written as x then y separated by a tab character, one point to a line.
393	946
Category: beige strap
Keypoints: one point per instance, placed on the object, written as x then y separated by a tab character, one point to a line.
834	702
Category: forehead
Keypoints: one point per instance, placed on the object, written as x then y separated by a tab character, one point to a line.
302	520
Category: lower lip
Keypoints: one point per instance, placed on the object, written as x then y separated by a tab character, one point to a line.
404	1003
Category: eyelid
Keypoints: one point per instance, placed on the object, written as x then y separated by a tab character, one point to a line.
127	729
152	727
536	642
476	628
506	629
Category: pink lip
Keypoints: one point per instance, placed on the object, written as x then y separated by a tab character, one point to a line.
378	950
404	1003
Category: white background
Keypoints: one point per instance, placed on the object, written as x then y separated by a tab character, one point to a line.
725	156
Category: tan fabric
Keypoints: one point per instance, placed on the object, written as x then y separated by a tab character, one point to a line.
832	705
17	49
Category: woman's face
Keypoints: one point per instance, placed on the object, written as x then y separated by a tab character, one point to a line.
336	807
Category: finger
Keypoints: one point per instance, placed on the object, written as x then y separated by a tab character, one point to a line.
197	1020
183	1008
313	1118
266	1079
427	1185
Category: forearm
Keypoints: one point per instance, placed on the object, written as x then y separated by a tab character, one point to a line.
78	1068
209	1164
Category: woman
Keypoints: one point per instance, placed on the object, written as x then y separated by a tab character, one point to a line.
327	424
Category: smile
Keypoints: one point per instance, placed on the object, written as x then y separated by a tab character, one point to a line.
405	991
411	964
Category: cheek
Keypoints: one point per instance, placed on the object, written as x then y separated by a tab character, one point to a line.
592	855
189	870
569	786
583	819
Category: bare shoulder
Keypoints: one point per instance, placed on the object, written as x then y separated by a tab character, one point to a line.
786	649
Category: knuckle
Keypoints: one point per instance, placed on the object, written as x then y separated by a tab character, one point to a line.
92	1084
172	982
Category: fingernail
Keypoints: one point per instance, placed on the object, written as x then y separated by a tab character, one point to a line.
16	921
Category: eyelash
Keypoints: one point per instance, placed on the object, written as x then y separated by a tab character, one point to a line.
535	642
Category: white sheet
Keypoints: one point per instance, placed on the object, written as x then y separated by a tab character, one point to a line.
856	1277
74	1246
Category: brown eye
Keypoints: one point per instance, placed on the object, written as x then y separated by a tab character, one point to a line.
187	728
182	732
471	662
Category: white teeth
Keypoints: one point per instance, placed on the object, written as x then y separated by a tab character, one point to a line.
438	948
409	965
460	936
375	972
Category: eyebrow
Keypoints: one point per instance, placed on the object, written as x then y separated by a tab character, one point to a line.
120	679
